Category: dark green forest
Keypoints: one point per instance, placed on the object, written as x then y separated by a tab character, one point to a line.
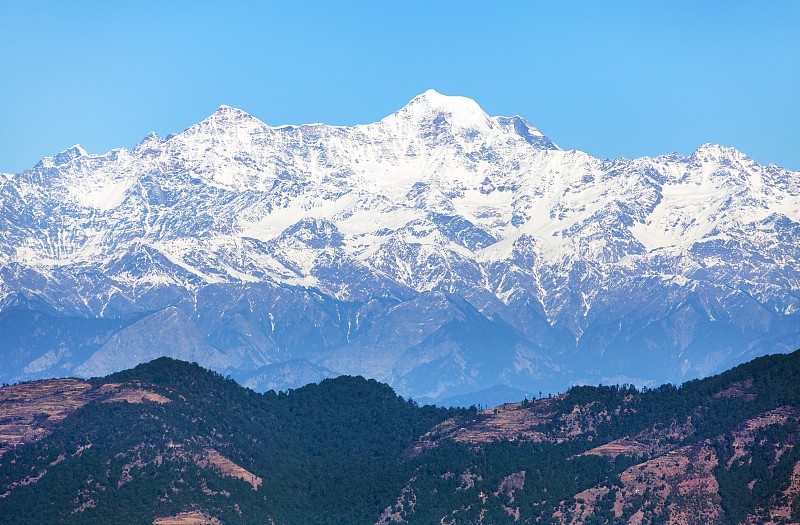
342	451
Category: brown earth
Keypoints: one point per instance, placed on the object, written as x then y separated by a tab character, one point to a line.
30	411
507	422
402	509
227	467
679	484
135	395
742	389
780	512
745	436
672	484
505	491
188	518
649	443
534	421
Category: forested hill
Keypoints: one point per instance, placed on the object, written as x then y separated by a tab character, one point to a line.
168	441
321	454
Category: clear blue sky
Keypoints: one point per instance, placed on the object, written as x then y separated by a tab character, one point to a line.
609	78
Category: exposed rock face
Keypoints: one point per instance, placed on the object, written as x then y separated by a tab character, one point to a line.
441	250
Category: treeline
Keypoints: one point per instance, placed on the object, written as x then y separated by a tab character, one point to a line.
338	452
327	453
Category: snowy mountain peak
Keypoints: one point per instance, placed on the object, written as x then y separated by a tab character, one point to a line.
148	140
460	112
717	150
67	155
331	244
225	113
524	129
62	158
447	103
148	146
225	109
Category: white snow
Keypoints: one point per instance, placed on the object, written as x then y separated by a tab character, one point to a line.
199	195
107	194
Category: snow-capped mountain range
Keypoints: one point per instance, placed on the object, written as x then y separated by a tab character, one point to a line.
441	250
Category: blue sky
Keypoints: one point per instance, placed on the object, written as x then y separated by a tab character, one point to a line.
609	78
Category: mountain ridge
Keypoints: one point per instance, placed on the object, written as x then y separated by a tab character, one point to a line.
168	439
327	230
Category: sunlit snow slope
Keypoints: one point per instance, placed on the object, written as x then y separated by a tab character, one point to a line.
441	250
